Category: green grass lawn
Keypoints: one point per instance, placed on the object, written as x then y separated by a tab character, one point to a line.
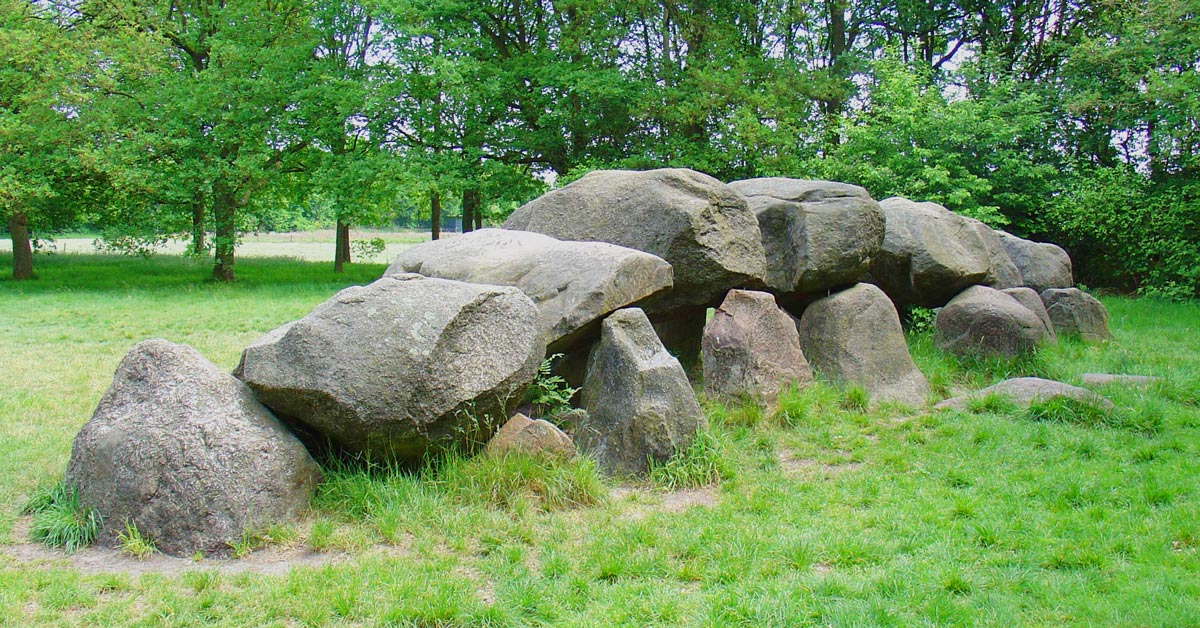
826	514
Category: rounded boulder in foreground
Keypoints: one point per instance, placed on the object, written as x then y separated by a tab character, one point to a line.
185	453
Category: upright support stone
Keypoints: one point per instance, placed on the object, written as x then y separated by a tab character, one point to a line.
855	337
640	406
751	349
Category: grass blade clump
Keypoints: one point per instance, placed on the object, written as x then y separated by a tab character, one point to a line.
704	462
517	479
132	542
991	403
1146	419
61	520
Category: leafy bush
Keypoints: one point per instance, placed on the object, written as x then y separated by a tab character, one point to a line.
1123	232
920	320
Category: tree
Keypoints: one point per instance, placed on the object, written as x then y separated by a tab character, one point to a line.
222	109
37	133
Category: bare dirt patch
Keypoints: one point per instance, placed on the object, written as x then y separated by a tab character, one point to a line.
271	561
794	465
637	503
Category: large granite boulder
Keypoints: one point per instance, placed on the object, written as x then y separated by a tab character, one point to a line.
751	349
186	453
402	366
696	223
1023	391
1042	265
982	321
1002	271
929	254
854	336
1033	302
817	234
639	403
1076	313
573	284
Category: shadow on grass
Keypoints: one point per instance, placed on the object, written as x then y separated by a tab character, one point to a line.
119	273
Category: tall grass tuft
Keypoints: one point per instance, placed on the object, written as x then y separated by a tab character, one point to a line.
61	520
516	480
704	462
1147	418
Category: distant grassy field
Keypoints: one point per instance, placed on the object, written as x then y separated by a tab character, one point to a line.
826	514
312	246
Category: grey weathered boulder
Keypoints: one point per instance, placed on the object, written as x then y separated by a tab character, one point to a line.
1075	312
817	234
1023	391
696	223
184	452
854	336
1042	265
1002	271
929	254
639	403
1033	302
573	284
982	321
751	348
531	436
402	366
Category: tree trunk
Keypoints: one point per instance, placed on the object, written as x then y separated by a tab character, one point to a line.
341	255
837	47
18	230
225	240
199	246
435	214
470	199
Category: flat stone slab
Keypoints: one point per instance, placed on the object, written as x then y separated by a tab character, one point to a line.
573	284
1113	379
1023	391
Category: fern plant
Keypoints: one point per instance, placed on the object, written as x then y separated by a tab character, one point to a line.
549	394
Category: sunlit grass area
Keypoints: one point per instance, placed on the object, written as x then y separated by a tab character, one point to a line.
823	513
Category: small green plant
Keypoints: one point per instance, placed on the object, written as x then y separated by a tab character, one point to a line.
320	537
702	463
257	537
368	249
133	543
920	320
61	520
549	394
